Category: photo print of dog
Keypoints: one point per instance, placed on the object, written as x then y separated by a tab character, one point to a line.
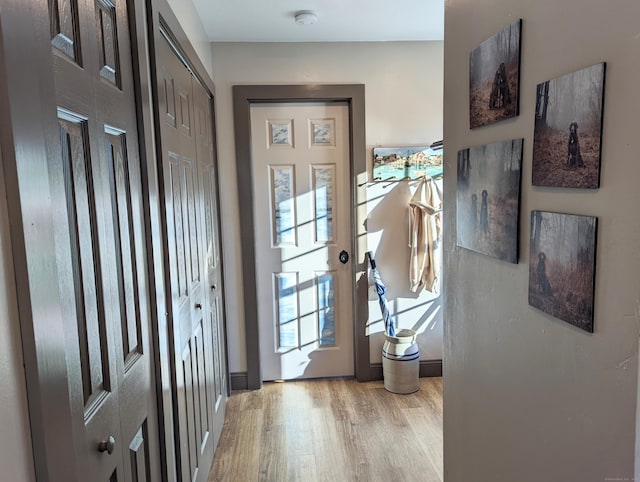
567	139
494	77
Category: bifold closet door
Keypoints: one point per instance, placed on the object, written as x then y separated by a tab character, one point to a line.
198	369
96	190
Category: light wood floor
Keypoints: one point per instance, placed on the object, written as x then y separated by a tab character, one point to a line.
331	430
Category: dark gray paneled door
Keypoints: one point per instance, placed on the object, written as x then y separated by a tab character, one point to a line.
197	345
100	245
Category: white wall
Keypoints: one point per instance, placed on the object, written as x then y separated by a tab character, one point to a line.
190	22
403	85
528	397
388	237
16	457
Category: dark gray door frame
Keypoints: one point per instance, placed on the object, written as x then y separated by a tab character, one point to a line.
243	97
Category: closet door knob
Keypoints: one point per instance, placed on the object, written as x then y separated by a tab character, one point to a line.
107	445
198	306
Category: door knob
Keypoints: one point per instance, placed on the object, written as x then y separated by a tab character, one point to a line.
213	287
343	257
107	445
198	306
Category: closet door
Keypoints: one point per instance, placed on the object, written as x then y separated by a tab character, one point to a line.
212	255
187	147
95	172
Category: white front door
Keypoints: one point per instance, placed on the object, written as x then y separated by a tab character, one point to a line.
301	185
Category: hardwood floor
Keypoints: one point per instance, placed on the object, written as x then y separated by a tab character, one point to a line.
331	430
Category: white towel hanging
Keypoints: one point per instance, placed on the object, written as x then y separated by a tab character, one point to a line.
425	208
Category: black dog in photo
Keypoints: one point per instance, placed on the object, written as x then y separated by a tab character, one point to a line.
574	158
484	212
500	95
543	282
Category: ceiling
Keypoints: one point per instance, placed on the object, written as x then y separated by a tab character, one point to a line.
338	20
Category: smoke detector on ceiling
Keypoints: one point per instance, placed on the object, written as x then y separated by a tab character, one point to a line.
306	17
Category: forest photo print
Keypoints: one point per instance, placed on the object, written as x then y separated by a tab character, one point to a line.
488	197
562	266
568	130
494	77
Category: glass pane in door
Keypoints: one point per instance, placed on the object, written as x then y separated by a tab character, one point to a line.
326	309
286	299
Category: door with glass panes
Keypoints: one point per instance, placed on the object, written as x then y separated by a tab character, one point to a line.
300	156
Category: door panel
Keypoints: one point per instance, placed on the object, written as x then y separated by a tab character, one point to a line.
85	258
126	256
139	456
214	334
101	256
192	217
64	27
190	445
192	236
108	60
301	188
176	229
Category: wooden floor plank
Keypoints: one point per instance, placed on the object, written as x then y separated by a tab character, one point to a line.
331	430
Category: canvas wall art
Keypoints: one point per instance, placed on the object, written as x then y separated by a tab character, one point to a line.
568	130
562	266
494	77
488	198
406	162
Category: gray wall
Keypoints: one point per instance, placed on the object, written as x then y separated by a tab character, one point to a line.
403	95
16	460
187	15
528	397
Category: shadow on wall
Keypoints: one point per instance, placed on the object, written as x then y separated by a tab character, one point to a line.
428	318
387	226
390	218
